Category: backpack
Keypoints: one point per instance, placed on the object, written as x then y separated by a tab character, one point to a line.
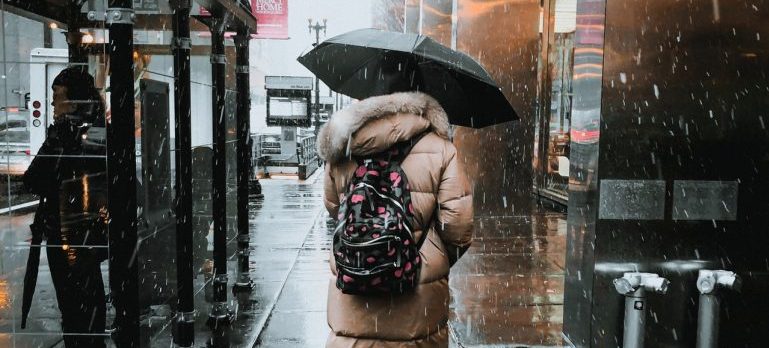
373	243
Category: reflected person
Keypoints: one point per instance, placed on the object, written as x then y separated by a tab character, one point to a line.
69	175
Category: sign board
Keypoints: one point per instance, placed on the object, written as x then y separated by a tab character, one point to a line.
146	5
288	82
289	100
151	7
288	107
271	18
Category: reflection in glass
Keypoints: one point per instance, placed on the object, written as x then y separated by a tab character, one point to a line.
560	57
69	176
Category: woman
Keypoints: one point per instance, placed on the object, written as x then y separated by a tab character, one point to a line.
69	175
442	208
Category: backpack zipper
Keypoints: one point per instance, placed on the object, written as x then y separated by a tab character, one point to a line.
380	240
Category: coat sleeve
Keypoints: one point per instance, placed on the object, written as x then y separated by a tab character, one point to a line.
41	177
455	207
330	196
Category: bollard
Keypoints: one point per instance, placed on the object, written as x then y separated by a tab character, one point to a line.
708	283
634	286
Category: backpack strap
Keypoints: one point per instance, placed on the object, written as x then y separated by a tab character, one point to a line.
405	146
409	145
423	237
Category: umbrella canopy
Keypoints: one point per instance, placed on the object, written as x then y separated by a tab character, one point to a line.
370	62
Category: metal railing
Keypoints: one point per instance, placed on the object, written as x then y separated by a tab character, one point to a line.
307	152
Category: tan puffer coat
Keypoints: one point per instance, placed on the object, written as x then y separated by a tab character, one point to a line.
443	207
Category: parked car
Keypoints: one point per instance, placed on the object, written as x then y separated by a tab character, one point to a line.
14	143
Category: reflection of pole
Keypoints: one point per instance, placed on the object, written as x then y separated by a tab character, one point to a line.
74	37
317	27
185	319
121	171
709	283
220	314
634	287
244	156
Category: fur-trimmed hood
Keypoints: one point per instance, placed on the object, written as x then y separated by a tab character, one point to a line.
339	138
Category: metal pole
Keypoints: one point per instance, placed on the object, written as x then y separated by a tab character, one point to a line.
185	317
317	106
317	27
317	87
244	156
220	314
709	283
121	170
74	37
47	35
633	286
708	319
635	319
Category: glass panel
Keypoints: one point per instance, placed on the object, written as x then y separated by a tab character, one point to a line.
155	155
436	20
412	16
560	58
54	227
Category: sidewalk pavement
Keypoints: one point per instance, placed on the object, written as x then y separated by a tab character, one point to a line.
507	291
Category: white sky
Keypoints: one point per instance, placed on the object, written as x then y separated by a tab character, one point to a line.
278	57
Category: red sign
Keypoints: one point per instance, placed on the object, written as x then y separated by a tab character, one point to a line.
271	18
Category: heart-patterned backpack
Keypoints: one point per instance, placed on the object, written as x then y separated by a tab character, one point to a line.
374	245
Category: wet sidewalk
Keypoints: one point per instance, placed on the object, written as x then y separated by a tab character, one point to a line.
507	291
279	225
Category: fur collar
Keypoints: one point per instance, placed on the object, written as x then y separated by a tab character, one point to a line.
334	137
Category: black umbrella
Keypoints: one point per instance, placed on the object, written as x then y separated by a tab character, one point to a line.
369	62
30	276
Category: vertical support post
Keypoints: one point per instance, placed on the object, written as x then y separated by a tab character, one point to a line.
709	283
635	319
708	318
317	105
633	286
74	37
317	87
47	36
244	156
185	318
220	314
544	97
317	27
121	171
